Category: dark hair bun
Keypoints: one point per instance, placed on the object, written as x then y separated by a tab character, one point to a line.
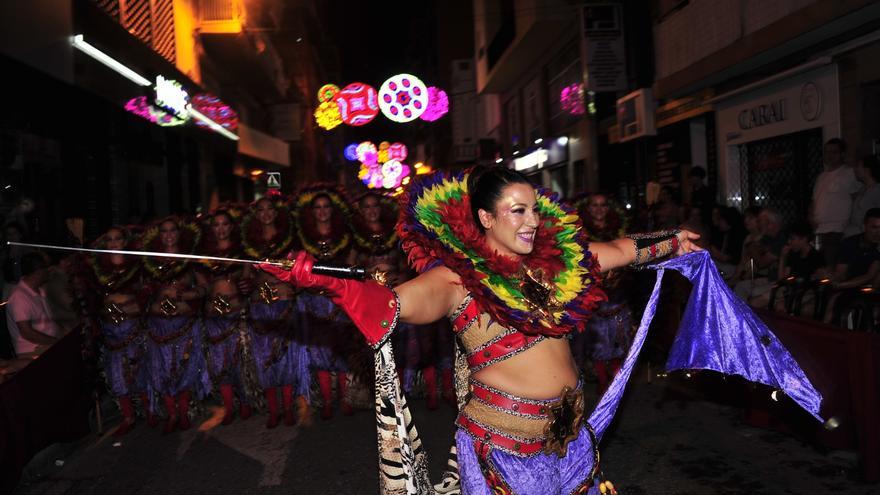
485	185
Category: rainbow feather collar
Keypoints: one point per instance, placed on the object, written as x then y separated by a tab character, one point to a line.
436	227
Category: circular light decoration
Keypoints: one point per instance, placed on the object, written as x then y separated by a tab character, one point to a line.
397	151
214	108
351	152
571	99
367	154
327	92
357	104
327	115
370	176
393	173
403	98
438	104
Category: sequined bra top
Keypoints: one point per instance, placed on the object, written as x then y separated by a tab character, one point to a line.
484	340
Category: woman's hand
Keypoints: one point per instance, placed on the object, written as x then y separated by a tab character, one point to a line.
687	243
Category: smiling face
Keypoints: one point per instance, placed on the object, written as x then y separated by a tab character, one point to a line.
370	209
322	209
266	212
169	235
598	207
513	223
115	239
221	225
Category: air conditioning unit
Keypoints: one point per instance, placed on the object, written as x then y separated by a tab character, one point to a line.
635	115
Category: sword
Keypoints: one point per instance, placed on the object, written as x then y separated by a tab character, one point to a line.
353	272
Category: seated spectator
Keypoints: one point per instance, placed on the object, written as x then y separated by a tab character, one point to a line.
727	239
799	267
28	320
752	237
763	258
858	263
867	171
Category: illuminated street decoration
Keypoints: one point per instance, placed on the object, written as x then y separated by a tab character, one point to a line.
383	151
327	92
438	104
397	151
367	154
171	97
571	99
351	152
141	107
357	104
393	173
215	109
327	115
403	98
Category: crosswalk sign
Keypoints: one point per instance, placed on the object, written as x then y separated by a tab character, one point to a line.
273	180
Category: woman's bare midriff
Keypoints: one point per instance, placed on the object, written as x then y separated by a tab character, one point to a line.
537	373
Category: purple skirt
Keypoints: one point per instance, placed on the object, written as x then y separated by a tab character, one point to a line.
609	331
124	368
223	348
176	360
327	330
541	474
280	356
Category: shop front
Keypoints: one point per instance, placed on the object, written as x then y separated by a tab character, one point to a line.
770	137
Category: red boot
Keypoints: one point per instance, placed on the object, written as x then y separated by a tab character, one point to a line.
430	375
287	401
448	387
171	409
127	410
342	390
228	397
303	411
326	393
152	418
183	410
245	411
272	403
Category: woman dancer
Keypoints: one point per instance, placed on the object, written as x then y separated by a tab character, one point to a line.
511	269
321	214
117	279
225	320
280	357
174	348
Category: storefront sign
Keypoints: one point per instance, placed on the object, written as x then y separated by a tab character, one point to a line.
764	114
602	49
171	97
535	159
684	108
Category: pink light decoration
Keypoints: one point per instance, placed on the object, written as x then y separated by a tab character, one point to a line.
214	108
571	98
358	104
397	151
438	104
367	154
141	107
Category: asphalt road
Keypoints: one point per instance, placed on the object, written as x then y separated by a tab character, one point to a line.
665	440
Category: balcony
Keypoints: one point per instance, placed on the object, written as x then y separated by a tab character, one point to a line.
513	39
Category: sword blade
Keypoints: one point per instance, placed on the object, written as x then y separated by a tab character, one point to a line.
152	254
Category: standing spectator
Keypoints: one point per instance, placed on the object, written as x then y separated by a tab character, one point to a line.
28	318
832	198
868	173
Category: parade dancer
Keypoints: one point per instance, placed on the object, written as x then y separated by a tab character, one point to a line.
609	331
321	215
511	269
280	356
225	320
117	279
177	367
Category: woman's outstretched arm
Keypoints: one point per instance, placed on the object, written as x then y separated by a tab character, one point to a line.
430	296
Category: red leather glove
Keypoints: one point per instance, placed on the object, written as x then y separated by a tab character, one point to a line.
372	307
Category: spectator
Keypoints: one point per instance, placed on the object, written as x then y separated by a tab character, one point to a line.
858	262
701	197
10	256
752	238
727	238
868	173
28	318
832	199
799	258
764	256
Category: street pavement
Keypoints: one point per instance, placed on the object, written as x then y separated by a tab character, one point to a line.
666	440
